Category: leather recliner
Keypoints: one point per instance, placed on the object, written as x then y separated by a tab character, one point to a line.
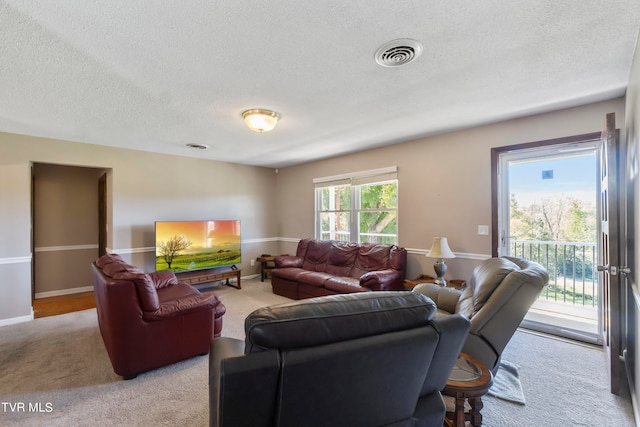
363	359
151	320
500	293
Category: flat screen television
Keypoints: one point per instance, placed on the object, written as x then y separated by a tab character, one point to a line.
194	245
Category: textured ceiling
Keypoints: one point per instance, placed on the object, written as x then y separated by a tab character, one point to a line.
157	75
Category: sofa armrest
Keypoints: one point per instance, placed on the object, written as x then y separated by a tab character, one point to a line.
284	261
445	298
182	306
221	348
383	280
238	382
163	278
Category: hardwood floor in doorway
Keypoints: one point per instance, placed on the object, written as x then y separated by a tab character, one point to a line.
53	306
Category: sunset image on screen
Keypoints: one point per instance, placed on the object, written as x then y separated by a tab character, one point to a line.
192	245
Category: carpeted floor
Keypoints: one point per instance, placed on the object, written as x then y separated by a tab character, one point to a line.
55	371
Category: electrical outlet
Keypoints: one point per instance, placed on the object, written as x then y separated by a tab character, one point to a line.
483	230
253	263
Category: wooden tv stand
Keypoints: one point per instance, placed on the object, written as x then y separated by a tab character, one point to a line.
209	275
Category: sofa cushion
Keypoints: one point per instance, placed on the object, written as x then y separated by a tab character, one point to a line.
486	278
316	255
163	278
286	261
289	273
344	285
370	257
107	259
445	298
145	289
323	320
178	291
342	257
113	268
313	278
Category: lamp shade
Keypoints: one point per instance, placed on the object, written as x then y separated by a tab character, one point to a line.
440	249
259	120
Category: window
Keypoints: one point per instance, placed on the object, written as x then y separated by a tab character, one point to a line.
358	207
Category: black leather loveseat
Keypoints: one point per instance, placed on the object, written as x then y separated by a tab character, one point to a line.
363	359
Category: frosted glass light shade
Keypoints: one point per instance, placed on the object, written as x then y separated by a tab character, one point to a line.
259	120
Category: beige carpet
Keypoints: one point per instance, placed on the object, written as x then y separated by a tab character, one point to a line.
58	365
58	369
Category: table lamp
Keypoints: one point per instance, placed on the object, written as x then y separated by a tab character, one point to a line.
440	250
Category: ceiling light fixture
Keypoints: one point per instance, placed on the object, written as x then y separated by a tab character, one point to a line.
260	120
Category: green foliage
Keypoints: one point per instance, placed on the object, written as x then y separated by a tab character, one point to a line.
377	211
563	218
378	203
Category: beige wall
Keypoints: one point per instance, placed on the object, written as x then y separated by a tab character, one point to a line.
444	183
444	190
15	252
143	187
65	227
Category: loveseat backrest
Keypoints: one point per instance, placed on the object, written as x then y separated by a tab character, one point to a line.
370	381
314	254
355	359
337	318
349	259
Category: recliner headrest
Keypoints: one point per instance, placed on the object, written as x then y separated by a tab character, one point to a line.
323	320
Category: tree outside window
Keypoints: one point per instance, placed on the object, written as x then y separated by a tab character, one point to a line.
359	213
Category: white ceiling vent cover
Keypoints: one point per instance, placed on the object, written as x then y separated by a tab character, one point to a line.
398	52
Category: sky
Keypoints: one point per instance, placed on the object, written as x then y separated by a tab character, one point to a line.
202	234
533	181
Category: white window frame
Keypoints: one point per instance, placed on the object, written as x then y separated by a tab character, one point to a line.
355	180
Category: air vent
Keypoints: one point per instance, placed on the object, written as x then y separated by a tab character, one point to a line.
198	146
398	52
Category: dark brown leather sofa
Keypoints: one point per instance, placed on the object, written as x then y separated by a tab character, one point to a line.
358	360
151	320
329	267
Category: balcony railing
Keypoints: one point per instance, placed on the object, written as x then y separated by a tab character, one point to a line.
381	238
573	278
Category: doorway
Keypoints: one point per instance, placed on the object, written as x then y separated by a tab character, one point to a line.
68	214
546	208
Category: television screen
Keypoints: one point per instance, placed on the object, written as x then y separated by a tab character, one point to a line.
194	245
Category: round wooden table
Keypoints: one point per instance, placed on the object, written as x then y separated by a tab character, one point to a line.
469	381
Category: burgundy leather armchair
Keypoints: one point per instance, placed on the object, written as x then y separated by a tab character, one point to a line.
151	320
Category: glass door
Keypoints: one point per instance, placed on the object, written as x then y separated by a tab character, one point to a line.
547	212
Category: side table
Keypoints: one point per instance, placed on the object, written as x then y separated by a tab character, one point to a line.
469	380
423	278
265	268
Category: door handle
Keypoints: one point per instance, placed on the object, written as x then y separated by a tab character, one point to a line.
613	270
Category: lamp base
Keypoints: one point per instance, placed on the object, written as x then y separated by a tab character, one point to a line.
440	268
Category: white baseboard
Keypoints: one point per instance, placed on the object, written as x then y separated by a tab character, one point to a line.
14	320
63	292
